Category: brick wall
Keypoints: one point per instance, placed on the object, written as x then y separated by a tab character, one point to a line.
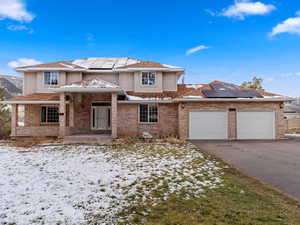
185	108
82	111
38	131
128	121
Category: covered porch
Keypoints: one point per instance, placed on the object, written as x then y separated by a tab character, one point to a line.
88	114
85	108
88	107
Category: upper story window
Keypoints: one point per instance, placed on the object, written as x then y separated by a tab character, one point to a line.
148	78
51	78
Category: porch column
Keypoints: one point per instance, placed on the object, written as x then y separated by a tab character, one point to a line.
62	115
14	119
71	111
114	115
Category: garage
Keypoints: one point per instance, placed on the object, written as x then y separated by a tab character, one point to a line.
255	125
208	125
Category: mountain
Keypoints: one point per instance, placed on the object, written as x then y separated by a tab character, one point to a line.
13	85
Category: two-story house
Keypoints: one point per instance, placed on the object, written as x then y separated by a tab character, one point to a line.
126	97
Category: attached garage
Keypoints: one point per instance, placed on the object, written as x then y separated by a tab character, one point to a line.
255	125
208	125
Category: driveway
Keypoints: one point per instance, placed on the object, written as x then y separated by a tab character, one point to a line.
274	162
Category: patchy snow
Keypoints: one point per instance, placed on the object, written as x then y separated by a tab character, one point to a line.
195	86
275	96
133	98
94	83
136	98
193	96
78	184
292	135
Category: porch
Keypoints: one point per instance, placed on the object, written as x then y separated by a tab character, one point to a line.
68	114
88	114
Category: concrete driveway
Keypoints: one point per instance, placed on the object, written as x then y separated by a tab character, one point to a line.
274	162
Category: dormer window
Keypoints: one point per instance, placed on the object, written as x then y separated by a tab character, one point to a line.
148	78
51	78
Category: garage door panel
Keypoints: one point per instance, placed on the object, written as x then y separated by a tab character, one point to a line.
255	125
208	125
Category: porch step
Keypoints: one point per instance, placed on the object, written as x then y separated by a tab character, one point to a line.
87	139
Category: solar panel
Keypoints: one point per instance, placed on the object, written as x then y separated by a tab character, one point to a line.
230	91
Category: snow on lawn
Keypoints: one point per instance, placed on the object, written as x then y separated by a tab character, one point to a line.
77	184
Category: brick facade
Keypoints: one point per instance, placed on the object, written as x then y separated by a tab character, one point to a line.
173	118
185	108
128	121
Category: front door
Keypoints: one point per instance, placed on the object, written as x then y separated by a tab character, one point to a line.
101	116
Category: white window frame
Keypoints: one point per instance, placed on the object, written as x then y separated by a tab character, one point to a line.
48	106
148	73
51	78
139	112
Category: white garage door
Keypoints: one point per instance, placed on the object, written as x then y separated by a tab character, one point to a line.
255	125
208	125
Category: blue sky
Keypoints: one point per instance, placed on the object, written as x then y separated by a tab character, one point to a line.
214	40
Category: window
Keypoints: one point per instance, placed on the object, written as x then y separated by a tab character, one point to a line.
49	114
51	78
148	78
148	113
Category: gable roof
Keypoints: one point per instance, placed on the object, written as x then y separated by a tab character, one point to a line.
89	64
59	64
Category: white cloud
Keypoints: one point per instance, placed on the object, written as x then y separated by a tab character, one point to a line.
15	10
291	25
243	8
23	62
298	74
196	49
13	27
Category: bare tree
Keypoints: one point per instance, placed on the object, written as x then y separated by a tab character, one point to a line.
4	116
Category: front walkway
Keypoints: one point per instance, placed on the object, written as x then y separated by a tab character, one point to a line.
274	162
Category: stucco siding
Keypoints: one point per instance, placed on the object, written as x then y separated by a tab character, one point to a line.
126	81
138	87
170	81
29	83
72	77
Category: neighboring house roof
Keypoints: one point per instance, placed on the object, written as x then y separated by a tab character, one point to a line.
294	106
90	64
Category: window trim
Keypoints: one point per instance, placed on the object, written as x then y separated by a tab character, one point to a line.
149	85
41	111
44	80
139	115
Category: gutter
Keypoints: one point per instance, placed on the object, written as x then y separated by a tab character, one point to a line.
101	71
87	90
28	102
234	100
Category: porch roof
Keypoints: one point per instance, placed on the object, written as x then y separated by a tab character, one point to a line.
36	98
94	85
